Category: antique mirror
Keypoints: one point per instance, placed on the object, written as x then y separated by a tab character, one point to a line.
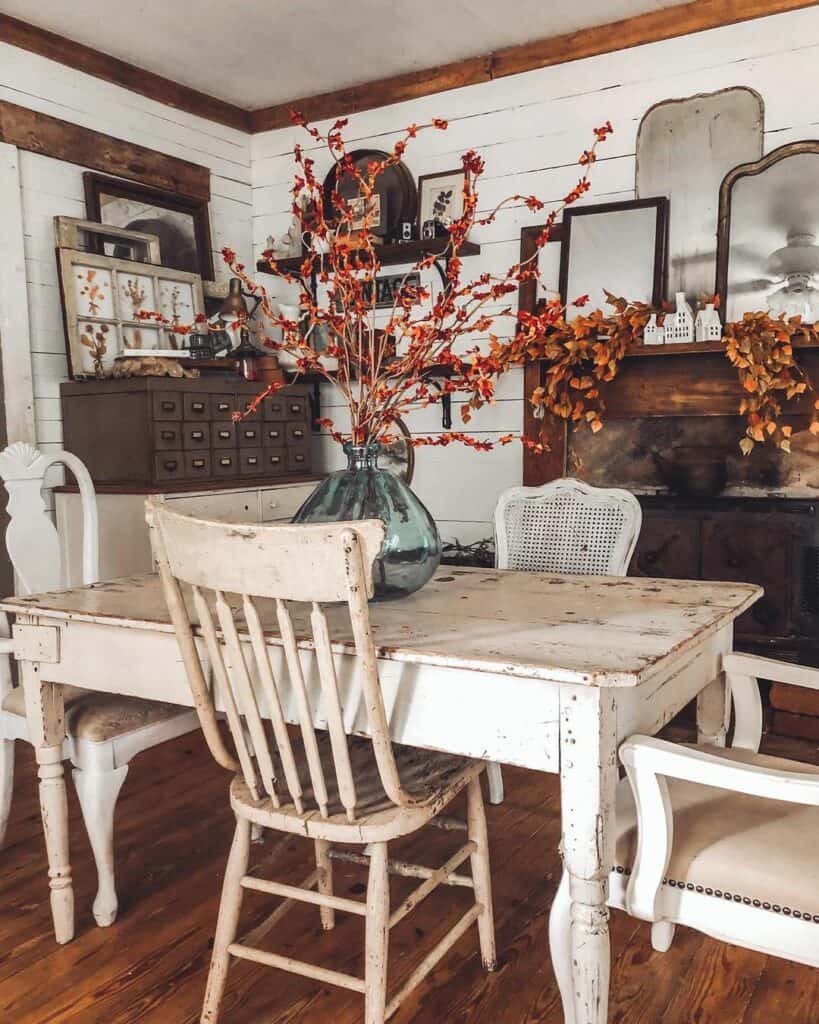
768	239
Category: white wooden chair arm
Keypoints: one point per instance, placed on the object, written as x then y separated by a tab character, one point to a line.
647	755
767	668
90	516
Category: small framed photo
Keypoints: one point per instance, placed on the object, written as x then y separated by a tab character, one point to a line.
441	197
363	209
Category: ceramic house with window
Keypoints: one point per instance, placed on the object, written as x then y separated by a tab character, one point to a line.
411	456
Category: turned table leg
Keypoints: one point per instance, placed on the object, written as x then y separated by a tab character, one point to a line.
713	712
46	726
588	778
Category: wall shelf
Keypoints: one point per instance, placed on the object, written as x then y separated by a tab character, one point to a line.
389	255
696	348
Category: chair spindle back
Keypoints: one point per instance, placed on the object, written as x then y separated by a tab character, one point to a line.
230	568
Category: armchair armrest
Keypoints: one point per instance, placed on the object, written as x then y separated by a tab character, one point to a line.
649	763
769	668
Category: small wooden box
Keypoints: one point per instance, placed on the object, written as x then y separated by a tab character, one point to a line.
153	431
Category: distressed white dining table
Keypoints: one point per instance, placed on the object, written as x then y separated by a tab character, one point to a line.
547	672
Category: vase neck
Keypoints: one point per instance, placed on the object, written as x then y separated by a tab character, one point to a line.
362	456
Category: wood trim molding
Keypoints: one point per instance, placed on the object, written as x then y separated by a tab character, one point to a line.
119	72
41	133
667	23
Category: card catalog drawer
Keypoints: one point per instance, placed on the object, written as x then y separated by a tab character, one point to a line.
169	465
273	434
196	407
295	407
167	405
197	465
223	434
296	433
167	436
274	461
224	462
273	407
249	434
298	459
196	436
250	462
222	406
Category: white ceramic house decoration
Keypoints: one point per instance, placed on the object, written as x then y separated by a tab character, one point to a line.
652	332
679	326
708	326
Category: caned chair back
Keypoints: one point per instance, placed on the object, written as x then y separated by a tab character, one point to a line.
312	564
32	541
567	526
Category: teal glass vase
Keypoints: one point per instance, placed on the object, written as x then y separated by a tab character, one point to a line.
412	548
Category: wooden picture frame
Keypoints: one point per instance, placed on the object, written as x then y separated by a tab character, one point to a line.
101	296
746	170
651	287
91	236
181	222
424	185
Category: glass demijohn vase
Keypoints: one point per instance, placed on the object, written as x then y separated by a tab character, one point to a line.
412	548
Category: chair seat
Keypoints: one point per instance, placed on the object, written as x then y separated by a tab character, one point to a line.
431	778
746	849
101	717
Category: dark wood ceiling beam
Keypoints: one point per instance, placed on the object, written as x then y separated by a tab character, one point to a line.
49	136
668	23
119	72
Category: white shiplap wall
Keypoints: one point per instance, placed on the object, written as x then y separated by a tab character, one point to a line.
51	187
530	129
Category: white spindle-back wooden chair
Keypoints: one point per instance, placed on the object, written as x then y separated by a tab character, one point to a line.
256	592
722	840
103	732
565	526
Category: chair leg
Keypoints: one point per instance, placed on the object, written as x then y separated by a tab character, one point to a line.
325	882
560	946
98	792
481	875
6	784
662	935
495	777
377	936
227	922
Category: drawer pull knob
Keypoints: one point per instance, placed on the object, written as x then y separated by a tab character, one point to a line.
170	464
298	433
252	460
168	406
197	435
198	406
168	435
224	435
226	462
295	408
223	407
198	463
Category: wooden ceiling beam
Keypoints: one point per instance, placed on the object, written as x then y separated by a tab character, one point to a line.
49	136
119	72
667	23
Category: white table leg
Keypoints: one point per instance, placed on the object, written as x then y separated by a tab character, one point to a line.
46	727
713	712
588	777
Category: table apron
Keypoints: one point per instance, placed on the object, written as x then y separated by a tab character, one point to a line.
513	720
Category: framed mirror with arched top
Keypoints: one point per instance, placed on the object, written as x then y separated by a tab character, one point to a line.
768	235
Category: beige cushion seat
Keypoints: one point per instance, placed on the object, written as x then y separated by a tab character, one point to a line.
433	779
731	846
101	717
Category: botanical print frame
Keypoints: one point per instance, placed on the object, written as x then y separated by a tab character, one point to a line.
616	247
182	223
101	299
440	197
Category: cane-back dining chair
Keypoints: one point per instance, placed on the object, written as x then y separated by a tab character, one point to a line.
722	840
258	600
565	526
103	732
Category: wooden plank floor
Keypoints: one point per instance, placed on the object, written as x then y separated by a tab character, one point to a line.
173	833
